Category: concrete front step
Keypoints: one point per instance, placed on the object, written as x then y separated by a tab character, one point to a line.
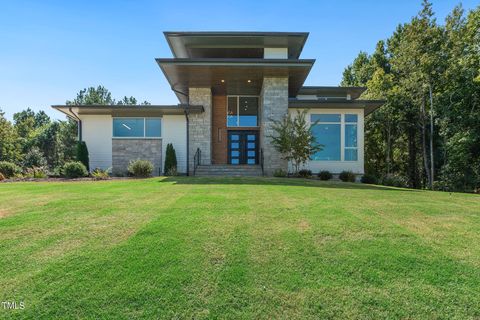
229	170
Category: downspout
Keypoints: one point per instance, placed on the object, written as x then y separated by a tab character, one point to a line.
188	127
188	141
79	124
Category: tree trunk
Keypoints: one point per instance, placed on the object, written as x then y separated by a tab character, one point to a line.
424	144
388	147
412	157
432	167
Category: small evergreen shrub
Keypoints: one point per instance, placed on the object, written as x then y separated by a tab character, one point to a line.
74	169
279	173
369	178
82	154
393	180
305	173
9	169
99	174
347	176
325	175
140	168
34	158
170	160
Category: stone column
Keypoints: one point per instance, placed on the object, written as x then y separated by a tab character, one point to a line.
200	129
273	107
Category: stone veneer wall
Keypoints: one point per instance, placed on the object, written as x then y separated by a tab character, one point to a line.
125	150
273	106
200	128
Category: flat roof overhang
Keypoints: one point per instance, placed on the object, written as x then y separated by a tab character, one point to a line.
73	111
186	44
235	73
324	91
368	105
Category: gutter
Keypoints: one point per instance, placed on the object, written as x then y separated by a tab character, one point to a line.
79	124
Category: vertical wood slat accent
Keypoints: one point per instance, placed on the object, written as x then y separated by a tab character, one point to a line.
219	128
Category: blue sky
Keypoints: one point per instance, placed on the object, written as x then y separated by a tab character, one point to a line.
49	50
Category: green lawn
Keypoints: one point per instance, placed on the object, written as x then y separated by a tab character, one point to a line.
237	248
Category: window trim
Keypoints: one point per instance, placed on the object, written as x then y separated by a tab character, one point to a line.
238	110
343	124
144	128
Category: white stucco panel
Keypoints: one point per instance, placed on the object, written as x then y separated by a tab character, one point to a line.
174	131
97	134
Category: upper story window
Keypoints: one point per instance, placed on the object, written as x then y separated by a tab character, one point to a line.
328	129
137	127
242	111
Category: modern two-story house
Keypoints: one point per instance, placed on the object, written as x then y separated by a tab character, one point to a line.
231	87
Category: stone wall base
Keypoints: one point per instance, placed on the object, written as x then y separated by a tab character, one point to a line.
126	150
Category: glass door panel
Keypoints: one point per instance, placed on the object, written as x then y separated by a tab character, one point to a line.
242	147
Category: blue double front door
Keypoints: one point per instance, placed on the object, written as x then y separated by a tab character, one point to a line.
243	147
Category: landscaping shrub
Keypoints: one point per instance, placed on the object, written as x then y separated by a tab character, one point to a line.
34	158
172	172
279	173
369	178
99	174
305	173
74	169
170	161
9	169
36	172
394	181
325	175
82	154
140	168
347	176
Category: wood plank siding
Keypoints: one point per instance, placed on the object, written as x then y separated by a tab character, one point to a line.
219	128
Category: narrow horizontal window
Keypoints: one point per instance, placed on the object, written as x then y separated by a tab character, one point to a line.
325	118
137	127
128	127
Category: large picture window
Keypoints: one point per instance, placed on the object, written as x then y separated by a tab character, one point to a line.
137	127
327	129
242	111
327	133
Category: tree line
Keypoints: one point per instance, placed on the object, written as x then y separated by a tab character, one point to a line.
428	131
33	139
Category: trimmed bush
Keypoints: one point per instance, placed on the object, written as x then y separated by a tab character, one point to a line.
394	181
140	168
325	175
170	161
279	173
34	158
99	174
305	173
82	154
347	176
74	169
369	178
9	169
36	172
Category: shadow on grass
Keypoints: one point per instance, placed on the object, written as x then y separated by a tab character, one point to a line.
278	182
